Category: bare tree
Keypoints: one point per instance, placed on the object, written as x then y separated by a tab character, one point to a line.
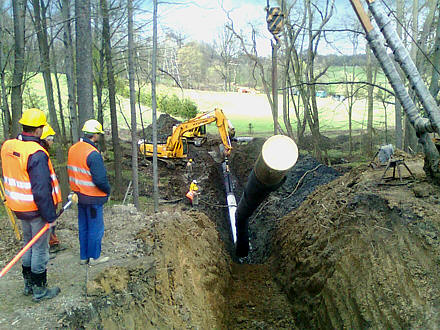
112	97
410	139
5	103
226	49
434	88
19	12
370	89
134	145
84	69
69	67
43	45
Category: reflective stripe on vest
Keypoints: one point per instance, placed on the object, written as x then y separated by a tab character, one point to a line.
15	155
80	177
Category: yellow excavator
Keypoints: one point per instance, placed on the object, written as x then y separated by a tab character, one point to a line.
177	143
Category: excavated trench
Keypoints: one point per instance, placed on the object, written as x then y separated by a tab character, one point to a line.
328	251
188	276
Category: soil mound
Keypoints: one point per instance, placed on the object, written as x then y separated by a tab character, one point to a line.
165	125
357	254
180	279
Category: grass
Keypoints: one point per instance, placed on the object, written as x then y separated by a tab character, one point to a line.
242	109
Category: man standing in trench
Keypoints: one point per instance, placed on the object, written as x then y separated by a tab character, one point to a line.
32	192
88	179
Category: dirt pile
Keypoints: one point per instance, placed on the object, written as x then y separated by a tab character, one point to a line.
165	125
180	279
357	254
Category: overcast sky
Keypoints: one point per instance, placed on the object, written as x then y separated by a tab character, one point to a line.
202	20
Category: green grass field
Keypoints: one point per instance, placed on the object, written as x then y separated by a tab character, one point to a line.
243	110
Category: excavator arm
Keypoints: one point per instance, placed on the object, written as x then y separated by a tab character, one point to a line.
209	117
174	146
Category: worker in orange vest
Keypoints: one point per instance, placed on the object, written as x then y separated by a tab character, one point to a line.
193	193
32	191
88	179
47	139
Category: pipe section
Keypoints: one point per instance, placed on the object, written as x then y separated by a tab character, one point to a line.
278	155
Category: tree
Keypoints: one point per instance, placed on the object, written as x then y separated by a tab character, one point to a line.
4	99
398	106
112	97
410	139
226	49
69	67
192	65
369	144
134	145
19	12
84	69
43	45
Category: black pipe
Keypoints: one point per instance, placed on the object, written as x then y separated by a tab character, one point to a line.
278	155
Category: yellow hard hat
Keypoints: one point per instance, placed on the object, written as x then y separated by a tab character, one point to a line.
92	126
33	117
47	131
190	160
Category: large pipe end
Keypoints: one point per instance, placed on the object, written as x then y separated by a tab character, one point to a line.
278	155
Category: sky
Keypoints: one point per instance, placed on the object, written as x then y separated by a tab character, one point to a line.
202	20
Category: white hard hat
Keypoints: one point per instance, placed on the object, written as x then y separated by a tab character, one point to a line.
194	181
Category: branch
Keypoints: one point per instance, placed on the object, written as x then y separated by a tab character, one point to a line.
341	82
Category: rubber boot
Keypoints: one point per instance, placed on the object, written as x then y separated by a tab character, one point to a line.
40	290
26	271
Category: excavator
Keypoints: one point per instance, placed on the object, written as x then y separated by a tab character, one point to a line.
197	135
177	143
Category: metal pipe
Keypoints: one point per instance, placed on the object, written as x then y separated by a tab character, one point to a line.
230	197
278	155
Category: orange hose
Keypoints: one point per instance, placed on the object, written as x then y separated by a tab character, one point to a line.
23	250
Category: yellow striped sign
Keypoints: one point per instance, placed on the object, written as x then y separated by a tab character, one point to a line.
275	20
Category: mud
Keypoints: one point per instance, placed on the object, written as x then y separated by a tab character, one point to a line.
328	251
361	255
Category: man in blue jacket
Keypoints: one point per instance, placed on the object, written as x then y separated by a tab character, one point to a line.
88	178
32	192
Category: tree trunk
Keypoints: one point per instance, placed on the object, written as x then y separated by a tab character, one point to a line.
398	106
19	12
154	108
84	69
60	101
112	98
369	146
99	83
433	88
70	71
410	133
41	28
5	105
134	138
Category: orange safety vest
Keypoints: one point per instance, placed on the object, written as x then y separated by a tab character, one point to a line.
80	177
15	154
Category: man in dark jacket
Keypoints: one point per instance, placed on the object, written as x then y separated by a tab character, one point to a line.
88	178
32	192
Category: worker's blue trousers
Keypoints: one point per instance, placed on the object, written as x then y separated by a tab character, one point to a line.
91	230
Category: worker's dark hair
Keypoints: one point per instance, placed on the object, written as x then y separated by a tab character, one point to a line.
88	135
30	129
44	144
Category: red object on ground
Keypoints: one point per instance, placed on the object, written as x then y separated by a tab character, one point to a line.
23	250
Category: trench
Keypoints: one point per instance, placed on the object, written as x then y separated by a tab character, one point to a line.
196	280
